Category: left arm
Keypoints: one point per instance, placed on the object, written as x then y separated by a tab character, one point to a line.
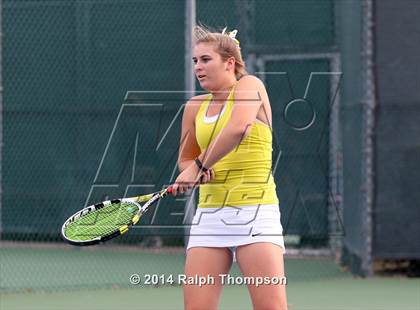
248	101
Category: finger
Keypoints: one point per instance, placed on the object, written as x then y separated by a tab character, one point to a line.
181	188
174	189
208	175
204	179
185	187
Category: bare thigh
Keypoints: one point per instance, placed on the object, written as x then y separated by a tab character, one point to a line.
263	259
204	262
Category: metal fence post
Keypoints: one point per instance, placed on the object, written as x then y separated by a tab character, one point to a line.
190	17
368	154
1	114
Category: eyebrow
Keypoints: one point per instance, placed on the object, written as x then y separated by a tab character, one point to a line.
202	56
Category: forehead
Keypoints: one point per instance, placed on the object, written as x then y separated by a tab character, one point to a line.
204	49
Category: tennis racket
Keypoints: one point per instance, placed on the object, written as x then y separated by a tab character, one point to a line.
109	219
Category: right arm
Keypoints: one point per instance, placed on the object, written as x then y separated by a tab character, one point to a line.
188	146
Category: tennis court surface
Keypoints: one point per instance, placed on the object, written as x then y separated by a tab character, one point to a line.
64	277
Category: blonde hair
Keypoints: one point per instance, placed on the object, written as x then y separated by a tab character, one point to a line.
225	46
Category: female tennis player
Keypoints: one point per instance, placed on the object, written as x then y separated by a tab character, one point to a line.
226	145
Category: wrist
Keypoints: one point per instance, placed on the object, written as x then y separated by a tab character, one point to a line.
200	165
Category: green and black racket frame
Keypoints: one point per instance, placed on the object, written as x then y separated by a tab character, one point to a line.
109	219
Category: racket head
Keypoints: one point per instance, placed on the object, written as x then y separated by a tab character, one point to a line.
101	222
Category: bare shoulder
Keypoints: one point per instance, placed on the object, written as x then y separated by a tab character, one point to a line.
250	82
194	103
250	87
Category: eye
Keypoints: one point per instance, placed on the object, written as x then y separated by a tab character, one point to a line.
194	60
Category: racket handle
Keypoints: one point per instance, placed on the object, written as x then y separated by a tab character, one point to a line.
169	189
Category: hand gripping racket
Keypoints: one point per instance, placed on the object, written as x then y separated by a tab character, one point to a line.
109	219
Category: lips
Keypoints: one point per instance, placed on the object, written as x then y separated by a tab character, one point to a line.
201	76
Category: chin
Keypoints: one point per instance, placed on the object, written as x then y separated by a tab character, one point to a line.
205	86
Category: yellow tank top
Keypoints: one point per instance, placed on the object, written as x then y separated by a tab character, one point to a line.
243	177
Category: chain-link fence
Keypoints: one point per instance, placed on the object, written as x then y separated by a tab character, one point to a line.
92	107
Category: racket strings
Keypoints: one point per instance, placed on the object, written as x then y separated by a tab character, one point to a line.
101	222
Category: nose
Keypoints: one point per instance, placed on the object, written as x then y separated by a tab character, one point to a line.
197	67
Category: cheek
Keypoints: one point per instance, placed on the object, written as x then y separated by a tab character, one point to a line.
223	66
218	68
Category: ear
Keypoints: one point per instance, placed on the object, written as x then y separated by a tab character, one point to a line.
230	63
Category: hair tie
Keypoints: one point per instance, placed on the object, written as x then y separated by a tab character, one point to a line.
231	34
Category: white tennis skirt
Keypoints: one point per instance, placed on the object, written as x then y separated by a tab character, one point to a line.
234	226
